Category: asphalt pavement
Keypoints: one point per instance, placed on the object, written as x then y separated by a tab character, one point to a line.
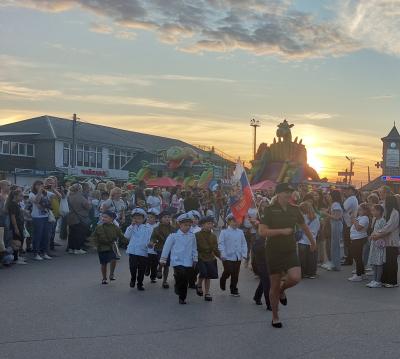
59	309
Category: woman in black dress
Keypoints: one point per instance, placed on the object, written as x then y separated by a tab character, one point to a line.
278	224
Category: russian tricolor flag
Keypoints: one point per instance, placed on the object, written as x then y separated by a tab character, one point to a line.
241	202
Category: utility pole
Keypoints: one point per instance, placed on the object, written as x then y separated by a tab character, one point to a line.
369	175
73	157
351	167
255	123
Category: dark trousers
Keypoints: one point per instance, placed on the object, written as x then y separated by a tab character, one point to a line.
182	275
77	235
389	275
63	228
193	273
265	284
356	252
152	265
137	267
231	269
347	245
308	260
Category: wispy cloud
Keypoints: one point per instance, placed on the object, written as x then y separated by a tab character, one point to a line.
21	92
141	80
108	80
66	49
382	97
132	101
106	29
18	92
314	116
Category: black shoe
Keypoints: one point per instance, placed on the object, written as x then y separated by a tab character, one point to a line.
235	293
276	325
208	298
182	301
283	300
132	284
192	286
269	308
257	301
112	278
104	281
222	284
199	291
165	285
140	288
153	281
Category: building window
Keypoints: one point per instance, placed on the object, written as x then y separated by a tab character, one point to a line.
30	150
118	158
22	149
17	149
14	148
86	156
67	155
5	147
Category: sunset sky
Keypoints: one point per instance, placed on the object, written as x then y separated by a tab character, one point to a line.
200	71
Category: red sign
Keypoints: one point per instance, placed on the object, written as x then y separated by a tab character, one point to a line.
97	173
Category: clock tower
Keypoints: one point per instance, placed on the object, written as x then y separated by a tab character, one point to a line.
391	153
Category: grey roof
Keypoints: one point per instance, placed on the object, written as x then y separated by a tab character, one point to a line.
60	128
393	134
51	128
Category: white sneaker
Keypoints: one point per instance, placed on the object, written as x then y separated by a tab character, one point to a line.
376	285
38	257
20	261
80	251
356	278
71	251
370	284
368	269
46	256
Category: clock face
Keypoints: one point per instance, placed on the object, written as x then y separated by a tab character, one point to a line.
392	145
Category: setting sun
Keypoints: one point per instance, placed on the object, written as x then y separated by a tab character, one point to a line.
315	162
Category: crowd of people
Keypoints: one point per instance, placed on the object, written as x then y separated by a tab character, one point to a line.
286	235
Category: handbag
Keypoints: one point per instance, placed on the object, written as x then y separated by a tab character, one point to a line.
51	218
116	251
64	208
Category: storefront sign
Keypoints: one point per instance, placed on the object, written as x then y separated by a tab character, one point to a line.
95	173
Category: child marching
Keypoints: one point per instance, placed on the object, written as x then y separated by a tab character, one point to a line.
158	238
233	247
207	247
139	235
182	247
105	238
152	264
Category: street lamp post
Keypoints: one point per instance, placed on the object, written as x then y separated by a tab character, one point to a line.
255	123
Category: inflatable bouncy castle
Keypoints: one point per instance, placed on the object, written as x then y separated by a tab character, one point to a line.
284	160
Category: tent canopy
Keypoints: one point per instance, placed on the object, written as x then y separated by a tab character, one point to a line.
161	182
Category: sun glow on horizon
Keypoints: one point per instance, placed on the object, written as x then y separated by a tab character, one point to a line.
315	161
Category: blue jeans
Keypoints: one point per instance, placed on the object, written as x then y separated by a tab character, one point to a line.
336	237
41	234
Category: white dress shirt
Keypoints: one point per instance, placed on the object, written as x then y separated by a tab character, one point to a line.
139	237
182	247
232	244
